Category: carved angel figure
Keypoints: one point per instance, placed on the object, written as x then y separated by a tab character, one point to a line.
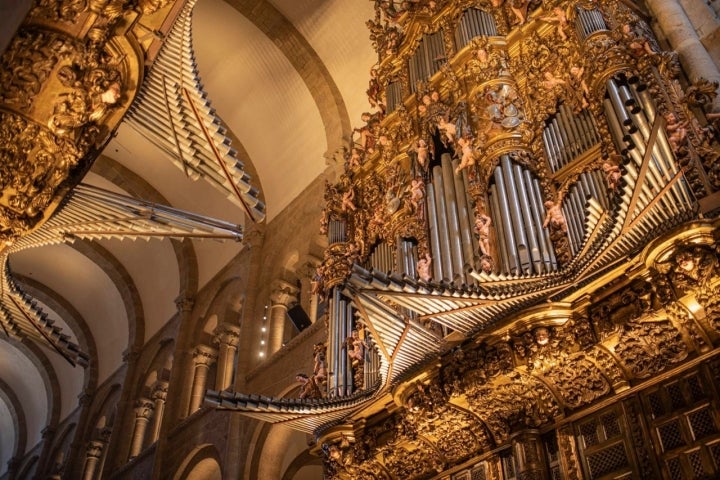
423	268
467	156
554	216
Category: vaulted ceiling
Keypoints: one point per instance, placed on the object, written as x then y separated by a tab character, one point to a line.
288	78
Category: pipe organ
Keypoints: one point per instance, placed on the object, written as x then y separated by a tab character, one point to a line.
567	136
488	248
474	23
588	21
518	215
426	60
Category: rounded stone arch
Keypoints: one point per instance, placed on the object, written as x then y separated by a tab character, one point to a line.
156	366
29	467
277	451
202	463
58	454
124	284
72	318
49	378
228	301
104	413
11	400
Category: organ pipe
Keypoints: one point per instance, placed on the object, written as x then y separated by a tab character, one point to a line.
515	203
474	23
464	213
433	231
451	212
445	256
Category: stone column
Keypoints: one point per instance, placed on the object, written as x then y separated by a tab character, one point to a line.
282	296
529	456
682	37
203	357
143	412
227	337
308	281
105	435
92	458
158	396
706	24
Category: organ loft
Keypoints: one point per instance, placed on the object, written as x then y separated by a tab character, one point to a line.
512	269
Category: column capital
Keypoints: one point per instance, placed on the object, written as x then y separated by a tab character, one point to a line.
47	432
185	303
159	390
85	397
94	449
204	355
130	355
283	293
144	408
227	334
105	433
253	237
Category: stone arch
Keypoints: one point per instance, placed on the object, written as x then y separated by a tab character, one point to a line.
303	460
48	375
227	304
260	450
29	467
58	455
124	284
18	416
104	414
202	463
308	65
72	318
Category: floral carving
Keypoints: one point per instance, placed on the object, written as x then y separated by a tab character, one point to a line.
648	348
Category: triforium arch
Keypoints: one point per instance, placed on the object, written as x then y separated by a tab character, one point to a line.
203	462
13	404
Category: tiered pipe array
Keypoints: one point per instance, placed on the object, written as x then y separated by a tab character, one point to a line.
474	23
631	115
449	220
590	185
567	136
588	22
516	207
428	57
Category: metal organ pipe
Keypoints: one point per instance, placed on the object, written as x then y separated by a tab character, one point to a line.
537	216
496	214
545	232
516	213
334	344
526	218
445	258
451	212
349	380
513	264
466	237
433	230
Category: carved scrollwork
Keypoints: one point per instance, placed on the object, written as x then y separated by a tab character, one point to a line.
577	380
523	403
648	348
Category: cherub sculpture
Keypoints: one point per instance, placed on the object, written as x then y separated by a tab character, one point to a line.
423	268
612	173
448	129
677	130
467	155
417	193
554	216
482	227
559	19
